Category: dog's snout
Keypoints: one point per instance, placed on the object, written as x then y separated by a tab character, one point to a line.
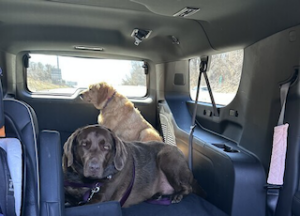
94	165
93	168
85	96
81	96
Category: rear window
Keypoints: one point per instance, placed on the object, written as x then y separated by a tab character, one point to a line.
224	77
52	74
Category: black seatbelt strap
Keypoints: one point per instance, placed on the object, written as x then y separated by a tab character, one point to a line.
202	70
215	111
284	89
273	189
203	66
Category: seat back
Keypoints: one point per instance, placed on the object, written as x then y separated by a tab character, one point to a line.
51	175
20	122
43	192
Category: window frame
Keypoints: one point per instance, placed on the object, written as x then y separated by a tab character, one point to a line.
77	92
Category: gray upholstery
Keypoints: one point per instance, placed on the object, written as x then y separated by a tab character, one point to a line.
108	24
100	209
1	107
51	178
20	122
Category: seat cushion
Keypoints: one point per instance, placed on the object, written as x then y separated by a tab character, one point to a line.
100	209
191	205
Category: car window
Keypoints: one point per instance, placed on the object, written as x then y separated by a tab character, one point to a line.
224	77
51	74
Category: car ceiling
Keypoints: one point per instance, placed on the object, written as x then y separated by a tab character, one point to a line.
59	25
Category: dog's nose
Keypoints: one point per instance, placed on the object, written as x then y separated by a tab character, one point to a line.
93	166
81	96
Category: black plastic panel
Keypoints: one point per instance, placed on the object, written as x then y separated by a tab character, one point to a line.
296	205
234	181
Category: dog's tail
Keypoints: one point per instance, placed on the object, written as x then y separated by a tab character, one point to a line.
197	189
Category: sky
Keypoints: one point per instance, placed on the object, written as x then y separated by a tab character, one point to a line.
86	71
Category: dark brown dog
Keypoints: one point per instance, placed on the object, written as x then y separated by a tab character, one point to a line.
94	153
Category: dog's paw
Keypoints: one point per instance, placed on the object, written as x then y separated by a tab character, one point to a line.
177	198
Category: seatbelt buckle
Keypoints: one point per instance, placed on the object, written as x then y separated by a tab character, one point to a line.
272	186
273	190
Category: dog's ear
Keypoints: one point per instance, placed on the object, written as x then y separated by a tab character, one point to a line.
121	153
102	84
68	151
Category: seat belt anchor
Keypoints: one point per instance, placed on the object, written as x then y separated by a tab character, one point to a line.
204	63
192	128
272	186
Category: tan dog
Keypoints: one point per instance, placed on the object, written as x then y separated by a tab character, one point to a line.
119	114
95	154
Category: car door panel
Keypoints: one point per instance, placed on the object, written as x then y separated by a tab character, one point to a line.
230	176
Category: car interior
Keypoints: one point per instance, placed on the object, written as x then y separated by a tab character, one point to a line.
230	144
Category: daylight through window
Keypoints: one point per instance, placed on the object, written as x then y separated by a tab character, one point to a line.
224	77
51	74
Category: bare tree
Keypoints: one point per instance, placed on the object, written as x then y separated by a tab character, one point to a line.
224	73
38	71
136	76
39	77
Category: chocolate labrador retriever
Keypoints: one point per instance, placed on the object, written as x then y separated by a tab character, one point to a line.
129	172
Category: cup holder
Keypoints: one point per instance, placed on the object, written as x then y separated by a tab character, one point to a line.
225	148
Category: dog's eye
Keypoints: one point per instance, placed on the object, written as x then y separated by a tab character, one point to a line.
106	147
91	89
85	144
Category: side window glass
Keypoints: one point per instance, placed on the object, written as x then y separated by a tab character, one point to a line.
63	75
224	76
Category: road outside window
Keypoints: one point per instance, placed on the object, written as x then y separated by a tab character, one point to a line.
51	74
224	76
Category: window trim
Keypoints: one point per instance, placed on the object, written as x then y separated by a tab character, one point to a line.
80	89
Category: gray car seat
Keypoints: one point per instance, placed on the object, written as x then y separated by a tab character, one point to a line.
21	122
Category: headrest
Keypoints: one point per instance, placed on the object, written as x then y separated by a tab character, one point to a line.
1	109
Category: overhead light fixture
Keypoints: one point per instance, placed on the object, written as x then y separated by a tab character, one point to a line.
139	35
98	49
187	11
